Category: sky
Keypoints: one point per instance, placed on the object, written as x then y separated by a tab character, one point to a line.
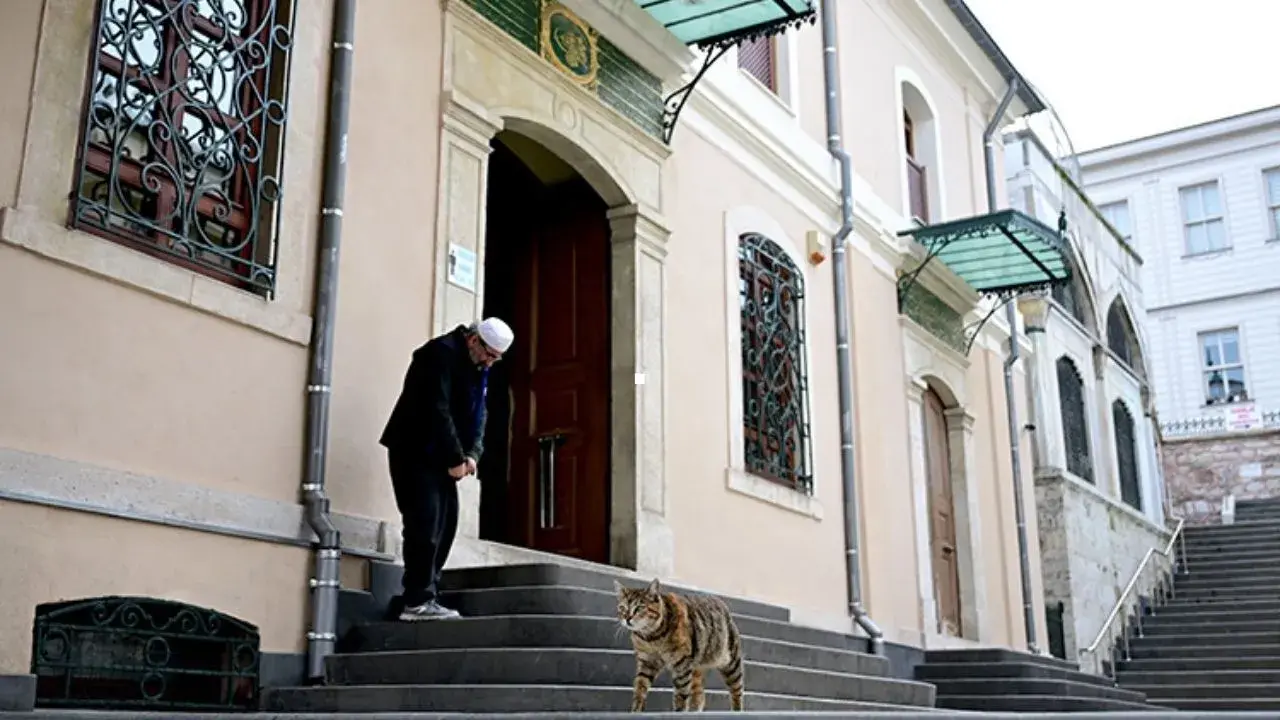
1115	70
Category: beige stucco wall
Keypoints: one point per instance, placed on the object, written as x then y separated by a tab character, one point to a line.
803	555
882	43
129	363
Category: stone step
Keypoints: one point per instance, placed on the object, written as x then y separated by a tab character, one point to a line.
1034	686
1196	532
1182	646
1229	562
1193	626
379	633
525	699
1037	704
1250	705
1234	535
1252	637
1224	581
1200	676
1205	614
548	574
1195	688
1259	515
936	671
547	631
1200	664
1180	605
1262	552
1243	592
541	667
996	655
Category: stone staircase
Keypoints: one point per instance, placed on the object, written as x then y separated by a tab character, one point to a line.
542	638
995	680
1216	644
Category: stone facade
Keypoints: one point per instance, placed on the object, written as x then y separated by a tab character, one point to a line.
1200	471
1090	546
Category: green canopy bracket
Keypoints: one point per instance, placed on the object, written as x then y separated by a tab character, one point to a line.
1000	255
714	26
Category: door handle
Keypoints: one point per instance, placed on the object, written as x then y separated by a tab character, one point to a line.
547	445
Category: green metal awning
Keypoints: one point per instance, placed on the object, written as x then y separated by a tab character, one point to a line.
709	22
1004	252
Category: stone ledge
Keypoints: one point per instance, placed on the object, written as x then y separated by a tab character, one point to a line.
17	693
1054	475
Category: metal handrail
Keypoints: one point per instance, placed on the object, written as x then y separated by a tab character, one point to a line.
1120	604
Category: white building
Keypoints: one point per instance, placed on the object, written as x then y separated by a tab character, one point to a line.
1202	205
1099	488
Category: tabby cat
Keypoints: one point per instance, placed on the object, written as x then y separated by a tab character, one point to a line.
687	634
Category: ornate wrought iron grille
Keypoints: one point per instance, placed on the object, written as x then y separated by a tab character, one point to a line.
143	654
775	390
1126	454
1075	424
182	134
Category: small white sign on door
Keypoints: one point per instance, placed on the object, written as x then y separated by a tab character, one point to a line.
462	267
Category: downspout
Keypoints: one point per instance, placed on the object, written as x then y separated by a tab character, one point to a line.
324	585
1011	405
844	363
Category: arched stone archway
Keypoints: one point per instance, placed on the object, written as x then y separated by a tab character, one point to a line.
492	84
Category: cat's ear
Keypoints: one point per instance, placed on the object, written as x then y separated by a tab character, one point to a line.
654	589
617	587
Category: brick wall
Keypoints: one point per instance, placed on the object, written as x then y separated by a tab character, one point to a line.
1200	471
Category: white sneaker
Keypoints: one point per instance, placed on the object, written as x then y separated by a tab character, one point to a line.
428	611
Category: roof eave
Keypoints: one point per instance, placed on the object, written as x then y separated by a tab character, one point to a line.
1029	97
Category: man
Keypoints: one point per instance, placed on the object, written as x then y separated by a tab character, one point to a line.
434	439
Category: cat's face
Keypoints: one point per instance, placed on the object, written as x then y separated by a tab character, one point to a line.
639	609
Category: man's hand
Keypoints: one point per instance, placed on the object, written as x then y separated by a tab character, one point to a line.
459	471
471	466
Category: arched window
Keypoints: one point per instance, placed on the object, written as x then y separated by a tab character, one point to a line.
1075	424
921	153
775	403
1121	338
1073	296
1126	454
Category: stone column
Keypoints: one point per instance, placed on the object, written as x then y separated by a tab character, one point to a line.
460	220
639	535
920	502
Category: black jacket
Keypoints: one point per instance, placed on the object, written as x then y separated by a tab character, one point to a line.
441	409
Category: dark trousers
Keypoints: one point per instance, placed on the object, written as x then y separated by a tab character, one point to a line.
428	501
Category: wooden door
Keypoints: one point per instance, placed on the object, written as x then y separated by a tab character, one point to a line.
942	524
561	380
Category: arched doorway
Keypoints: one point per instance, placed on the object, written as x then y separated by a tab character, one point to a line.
545	475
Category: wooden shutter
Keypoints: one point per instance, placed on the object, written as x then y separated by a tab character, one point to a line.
758	58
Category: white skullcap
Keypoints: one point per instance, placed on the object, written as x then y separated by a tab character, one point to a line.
496	334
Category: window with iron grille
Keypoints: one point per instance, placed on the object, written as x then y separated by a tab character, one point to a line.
759	58
775	392
1075	423
1126	454
181	136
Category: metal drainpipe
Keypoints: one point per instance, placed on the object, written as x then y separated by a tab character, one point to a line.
1011	405
844	363
324	586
